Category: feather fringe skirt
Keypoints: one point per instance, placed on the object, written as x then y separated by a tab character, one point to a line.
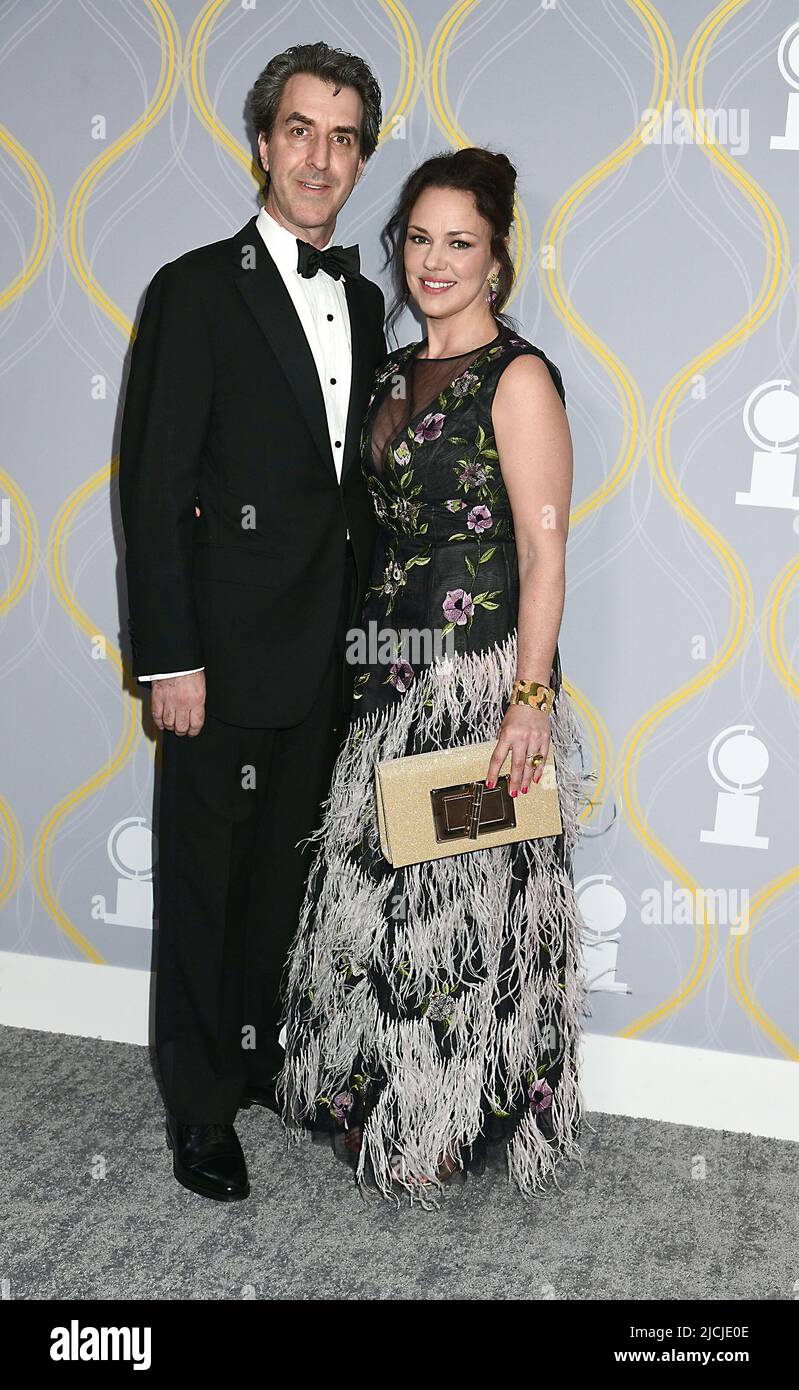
431	1009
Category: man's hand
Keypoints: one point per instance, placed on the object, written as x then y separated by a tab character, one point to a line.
178	704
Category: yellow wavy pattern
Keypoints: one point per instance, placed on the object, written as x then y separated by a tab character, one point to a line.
13	853
741	603
131	732
627	389
775	609
194	79
164	92
409	47
44	213
436	62
26	523
80	195
434	74
75	252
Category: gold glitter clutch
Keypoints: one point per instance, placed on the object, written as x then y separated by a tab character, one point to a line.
430	805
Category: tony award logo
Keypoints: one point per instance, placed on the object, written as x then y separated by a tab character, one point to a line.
737	769
132	851
603	910
788	63
771	419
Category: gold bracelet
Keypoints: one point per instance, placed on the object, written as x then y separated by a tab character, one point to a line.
533	693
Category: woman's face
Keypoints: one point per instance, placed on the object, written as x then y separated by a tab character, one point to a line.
448	255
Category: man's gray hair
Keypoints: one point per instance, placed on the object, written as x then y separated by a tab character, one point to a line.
328	64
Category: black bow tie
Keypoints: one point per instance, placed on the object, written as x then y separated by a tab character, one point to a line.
336	260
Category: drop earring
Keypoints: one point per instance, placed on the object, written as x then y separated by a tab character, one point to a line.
493	288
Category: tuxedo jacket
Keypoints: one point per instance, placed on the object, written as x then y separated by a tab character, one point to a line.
224	405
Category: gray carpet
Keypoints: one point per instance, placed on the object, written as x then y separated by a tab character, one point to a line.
92	1209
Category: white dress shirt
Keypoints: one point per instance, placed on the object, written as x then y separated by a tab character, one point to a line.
321	305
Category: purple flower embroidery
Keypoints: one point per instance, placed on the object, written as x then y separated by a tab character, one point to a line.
455	504
393	578
479	519
463	384
458	606
401	676
540	1094
473	475
342	1105
430	428
439	1007
405	511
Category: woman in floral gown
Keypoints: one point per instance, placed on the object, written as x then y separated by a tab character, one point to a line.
433	1010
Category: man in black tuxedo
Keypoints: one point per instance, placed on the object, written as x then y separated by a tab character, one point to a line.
249	533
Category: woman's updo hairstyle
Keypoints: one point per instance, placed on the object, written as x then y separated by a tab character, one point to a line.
491	179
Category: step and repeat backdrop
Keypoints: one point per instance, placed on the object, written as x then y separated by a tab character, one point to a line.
658	156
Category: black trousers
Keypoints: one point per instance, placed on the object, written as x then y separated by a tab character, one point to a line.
233	804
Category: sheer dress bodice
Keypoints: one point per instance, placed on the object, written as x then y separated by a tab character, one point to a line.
446	556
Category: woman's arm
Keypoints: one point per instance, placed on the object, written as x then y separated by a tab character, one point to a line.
535	455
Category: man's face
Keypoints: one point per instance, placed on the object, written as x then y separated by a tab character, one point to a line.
313	155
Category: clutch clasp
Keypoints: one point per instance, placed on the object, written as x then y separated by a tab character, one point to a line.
469	809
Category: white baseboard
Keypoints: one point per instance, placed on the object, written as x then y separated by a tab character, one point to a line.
66	996
621	1076
691	1086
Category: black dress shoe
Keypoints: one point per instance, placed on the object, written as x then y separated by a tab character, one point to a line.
208	1159
260	1095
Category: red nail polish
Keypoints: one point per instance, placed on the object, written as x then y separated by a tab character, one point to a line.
514	793
489	784
524	789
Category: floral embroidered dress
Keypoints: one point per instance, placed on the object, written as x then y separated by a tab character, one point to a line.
435	1009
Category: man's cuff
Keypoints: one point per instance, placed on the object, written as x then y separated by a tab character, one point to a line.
168	675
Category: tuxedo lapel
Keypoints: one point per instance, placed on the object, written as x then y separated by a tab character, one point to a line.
266	295
358	383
